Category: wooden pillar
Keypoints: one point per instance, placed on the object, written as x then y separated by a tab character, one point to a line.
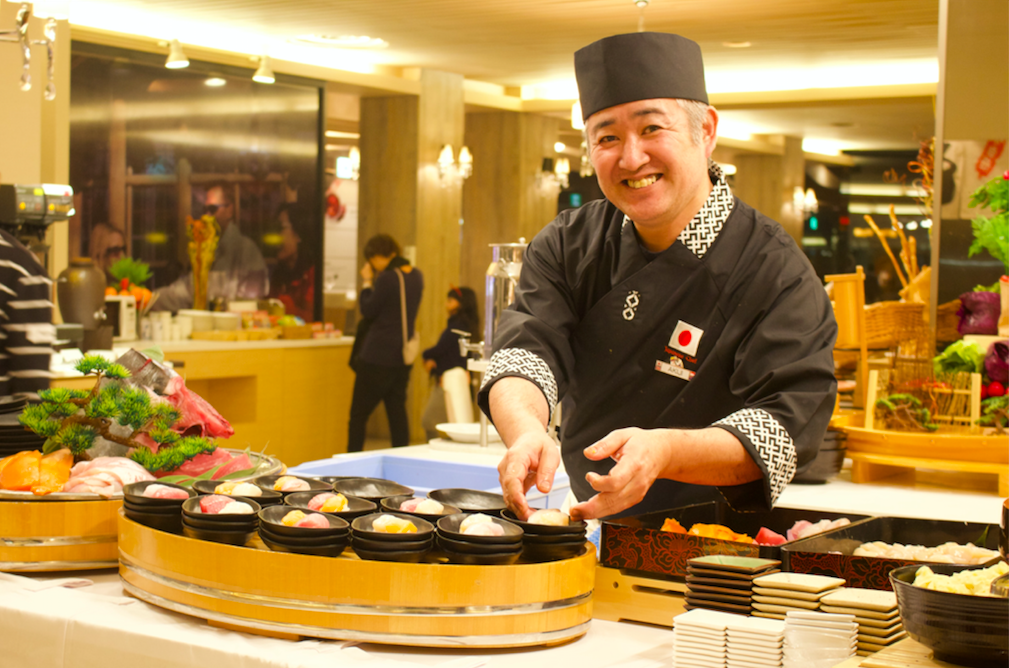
767	183
117	172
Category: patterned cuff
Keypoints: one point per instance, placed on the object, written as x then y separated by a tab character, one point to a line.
772	443
519	362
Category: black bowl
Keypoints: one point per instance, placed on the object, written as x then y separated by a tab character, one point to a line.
403	556
191	508
273	515
470	500
265	482
160	521
167	511
392	504
361	528
958	628
394	545
533	552
332	550
373	489
239	538
267	497
298	541
134	493
573	528
569	539
450	545
201	522
449	527
499	559
355	507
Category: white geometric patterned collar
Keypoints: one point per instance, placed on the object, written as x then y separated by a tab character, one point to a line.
705	226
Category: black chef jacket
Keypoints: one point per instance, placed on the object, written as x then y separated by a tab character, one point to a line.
728	327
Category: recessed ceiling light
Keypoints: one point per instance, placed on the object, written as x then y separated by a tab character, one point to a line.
343	41
737	45
214	82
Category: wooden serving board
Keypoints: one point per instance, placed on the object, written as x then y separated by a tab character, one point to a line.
620	596
907	653
58	535
291	595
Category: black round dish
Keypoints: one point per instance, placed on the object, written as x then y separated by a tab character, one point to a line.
554	552
355	507
191	508
172	511
332	550
249	523
239	538
362	528
267	497
273	515
397	545
393	503
373	489
574	527
160	521
450	545
449	527
134	492
470	500
568	539
958	628
500	559
312	541
266	483
403	556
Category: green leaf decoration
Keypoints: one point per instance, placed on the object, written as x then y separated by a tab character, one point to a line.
164	436
76	437
135	271
134	407
59	395
92	364
169	457
117	371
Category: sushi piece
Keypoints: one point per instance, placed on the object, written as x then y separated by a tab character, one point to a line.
767	537
423	506
212	504
484	529
164	492
292	518
313	521
289	483
327	502
550	517
393	524
238	489
477	518
236	508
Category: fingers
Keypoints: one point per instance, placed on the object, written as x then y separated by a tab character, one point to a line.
550	459
609	446
513	476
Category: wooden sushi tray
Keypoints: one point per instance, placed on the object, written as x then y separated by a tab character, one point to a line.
624	597
292	595
50	535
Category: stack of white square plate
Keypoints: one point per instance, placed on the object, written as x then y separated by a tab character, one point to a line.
818	639
879	624
751	642
777	594
699	638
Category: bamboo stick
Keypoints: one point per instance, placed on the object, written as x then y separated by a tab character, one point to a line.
886	247
904	257
912	250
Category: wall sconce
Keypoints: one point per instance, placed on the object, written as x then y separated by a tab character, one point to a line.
585	170
264	73
355	163
554	173
449	170
177	58
804	203
19	35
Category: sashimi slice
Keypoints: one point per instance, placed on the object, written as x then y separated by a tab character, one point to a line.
318	500
54	471
767	537
239	462
200	464
165	492
22	472
214	503
313	521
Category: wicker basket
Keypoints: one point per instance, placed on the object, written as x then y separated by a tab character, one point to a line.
887	322
946	321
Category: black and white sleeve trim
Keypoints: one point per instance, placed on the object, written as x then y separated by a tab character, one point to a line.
772	442
519	362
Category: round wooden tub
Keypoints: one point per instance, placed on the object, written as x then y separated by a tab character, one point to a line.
51	535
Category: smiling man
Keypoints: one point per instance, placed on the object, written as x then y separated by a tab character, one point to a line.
685	334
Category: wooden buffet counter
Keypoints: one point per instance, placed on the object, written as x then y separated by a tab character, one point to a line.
289	397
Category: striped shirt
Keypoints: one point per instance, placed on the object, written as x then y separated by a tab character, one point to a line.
26	329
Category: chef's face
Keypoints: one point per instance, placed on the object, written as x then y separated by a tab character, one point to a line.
648	165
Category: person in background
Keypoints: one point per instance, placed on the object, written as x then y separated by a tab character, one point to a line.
239	270
106	247
377	355
463	315
26	329
293	279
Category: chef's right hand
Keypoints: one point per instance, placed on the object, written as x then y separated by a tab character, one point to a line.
367	272
532	459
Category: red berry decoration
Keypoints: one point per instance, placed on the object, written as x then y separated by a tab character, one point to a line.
984	391
996	389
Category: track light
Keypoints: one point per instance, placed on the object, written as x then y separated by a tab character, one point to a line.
176	56
264	74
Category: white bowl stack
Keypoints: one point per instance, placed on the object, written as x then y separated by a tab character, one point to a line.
699	638
879	624
818	639
752	642
777	594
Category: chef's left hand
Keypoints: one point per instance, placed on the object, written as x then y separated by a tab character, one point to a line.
641	456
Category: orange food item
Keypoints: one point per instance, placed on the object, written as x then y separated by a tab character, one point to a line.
21	473
111	292
673	526
718	532
54	471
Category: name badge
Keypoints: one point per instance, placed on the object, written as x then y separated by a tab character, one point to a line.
673	369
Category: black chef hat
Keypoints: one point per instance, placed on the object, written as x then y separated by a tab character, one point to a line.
638	66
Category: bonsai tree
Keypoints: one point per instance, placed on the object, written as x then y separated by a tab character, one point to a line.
996	413
116	411
904	412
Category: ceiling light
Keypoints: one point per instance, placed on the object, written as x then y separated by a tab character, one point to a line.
737	45
343	41
214	82
336	134
176	57
559	146
264	74
577	122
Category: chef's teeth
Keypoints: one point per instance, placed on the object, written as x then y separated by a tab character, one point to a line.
647	181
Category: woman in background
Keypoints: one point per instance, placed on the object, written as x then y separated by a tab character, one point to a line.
293	279
463	315
377	359
106	247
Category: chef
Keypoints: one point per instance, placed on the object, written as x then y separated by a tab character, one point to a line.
685	334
